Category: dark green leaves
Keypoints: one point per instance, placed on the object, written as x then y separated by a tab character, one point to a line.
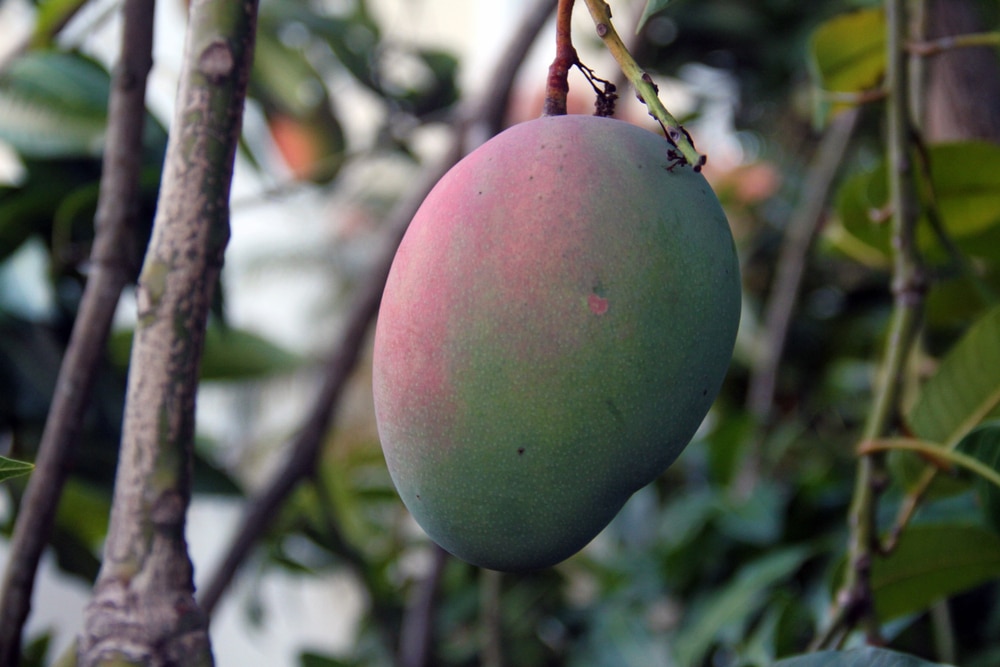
53	104
984	444
230	354
964	185
731	604
933	562
965	389
653	7
862	657
11	468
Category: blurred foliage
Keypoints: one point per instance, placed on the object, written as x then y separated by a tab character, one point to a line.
718	562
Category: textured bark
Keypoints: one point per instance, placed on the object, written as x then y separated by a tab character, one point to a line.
963	85
113	265
143	611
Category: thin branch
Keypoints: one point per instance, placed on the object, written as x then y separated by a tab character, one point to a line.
802	226
112	268
786	284
482	117
417	632
854	603
490	619
143	610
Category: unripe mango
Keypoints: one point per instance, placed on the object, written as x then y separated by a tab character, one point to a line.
557	322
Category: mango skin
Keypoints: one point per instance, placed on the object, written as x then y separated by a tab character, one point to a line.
557	322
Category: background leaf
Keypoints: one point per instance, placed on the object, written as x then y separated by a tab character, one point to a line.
964	390
868	656
734	603
13	468
847	52
965	177
54	104
653	7
933	562
230	354
984	444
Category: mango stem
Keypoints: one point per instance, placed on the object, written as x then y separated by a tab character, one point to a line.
647	91
557	84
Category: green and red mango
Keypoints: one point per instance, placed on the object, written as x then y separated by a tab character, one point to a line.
557	322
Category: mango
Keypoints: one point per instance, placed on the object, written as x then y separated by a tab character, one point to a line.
557	322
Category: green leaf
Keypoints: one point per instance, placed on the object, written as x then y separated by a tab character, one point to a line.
52	16
83	512
868	656
229	355
965	178
54	105
12	468
984	444
933	562
735	603
965	390
847	52
653	7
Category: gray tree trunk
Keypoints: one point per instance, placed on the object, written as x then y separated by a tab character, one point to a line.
963	85
143	611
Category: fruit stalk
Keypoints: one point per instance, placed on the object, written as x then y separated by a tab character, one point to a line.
557	84
647	91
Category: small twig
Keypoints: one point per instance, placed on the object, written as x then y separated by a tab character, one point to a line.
112	268
648	93
802	227
490	620
417	632
941	45
854	98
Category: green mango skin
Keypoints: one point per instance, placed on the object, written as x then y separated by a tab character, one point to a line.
557	322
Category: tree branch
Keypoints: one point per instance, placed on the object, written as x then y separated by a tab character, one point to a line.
481	118
112	267
143	610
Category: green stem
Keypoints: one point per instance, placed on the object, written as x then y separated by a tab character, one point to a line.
941	45
600	11
936	452
854	602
